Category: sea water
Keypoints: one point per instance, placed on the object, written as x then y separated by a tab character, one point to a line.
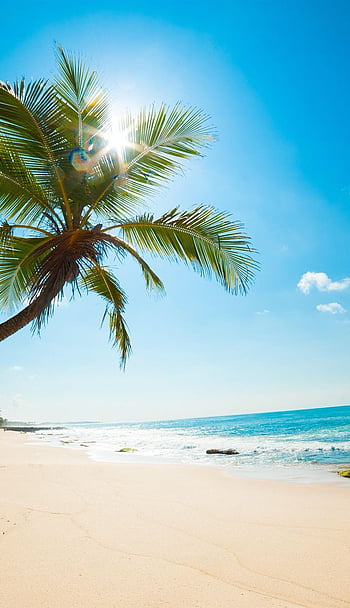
302	445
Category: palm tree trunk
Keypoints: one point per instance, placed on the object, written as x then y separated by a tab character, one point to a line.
25	316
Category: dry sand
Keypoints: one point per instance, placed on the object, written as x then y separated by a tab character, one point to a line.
78	534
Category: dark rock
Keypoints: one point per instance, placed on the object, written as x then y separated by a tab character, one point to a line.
227	452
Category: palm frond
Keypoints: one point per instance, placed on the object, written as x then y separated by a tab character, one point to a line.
108	191
21	196
203	237
84	105
160	140
18	264
151	279
6	233
99	280
29	117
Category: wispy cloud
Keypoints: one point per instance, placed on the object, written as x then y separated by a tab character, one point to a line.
33	376
333	308
15	368
262	312
322	282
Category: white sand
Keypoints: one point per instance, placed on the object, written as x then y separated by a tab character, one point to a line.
78	534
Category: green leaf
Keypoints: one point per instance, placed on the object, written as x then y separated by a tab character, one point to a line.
18	265
84	104
151	279
160	140
108	190
205	238
29	120
99	280
6	233
22	198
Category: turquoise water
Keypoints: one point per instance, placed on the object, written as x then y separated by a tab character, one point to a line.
297	442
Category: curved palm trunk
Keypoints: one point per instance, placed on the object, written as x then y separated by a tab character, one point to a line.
28	314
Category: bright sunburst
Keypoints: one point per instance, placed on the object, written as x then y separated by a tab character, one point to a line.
117	139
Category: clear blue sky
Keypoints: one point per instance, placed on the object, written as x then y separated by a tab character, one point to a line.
275	78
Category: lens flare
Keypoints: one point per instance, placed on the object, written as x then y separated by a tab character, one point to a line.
79	159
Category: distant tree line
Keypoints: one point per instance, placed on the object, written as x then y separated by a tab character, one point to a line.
2	420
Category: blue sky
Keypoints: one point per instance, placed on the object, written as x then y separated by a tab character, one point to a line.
274	76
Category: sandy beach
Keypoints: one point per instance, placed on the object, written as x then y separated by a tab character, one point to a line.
76	533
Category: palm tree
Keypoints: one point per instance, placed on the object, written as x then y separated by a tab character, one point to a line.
69	197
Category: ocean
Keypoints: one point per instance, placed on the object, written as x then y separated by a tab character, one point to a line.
300	445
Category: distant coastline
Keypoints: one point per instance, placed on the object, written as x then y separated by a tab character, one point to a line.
27	428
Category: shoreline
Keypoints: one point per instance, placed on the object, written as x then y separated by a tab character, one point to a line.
76	533
299	473
296	446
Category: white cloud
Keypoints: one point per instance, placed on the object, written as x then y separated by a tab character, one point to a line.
262	312
16	368
334	308
322	282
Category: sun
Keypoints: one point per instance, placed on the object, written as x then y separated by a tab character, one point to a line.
117	140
